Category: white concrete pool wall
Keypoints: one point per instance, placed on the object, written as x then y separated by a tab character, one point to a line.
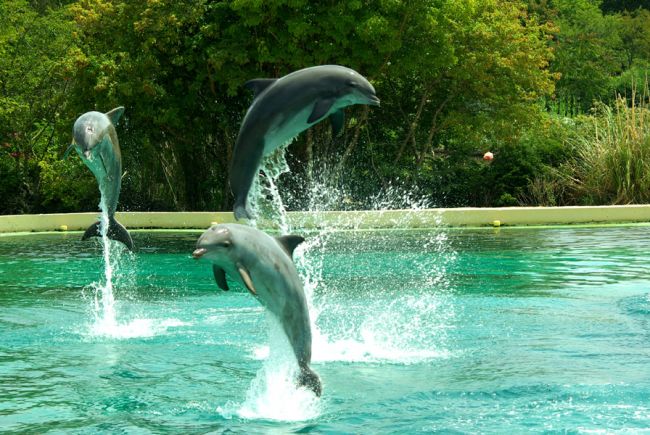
452	217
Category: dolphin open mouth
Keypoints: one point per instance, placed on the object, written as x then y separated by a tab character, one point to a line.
198	253
373	100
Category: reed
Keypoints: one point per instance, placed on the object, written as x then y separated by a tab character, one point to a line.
611	163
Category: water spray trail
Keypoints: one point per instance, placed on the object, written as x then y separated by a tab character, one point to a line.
267	202
420	309
278	206
105	308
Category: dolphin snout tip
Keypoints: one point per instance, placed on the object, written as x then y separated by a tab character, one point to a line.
198	253
374	101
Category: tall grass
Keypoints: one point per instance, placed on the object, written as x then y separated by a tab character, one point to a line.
611	163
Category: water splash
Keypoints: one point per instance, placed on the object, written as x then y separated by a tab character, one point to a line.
405	323
265	201
273	394
392	322
104	304
401	324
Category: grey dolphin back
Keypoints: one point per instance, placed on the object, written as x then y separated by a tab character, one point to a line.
263	264
283	108
96	141
241	178
116	231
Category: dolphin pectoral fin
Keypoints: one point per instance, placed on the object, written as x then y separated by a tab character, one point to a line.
92	231
258	85
290	242
115	114
101	159
338	121
245	276
220	277
67	151
320	109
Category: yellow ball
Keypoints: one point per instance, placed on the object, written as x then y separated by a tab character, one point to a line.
496	223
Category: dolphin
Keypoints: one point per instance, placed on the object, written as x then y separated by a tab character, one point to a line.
264	265
95	140
284	107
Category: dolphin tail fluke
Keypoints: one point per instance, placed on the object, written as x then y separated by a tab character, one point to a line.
116	231
242	212
308	378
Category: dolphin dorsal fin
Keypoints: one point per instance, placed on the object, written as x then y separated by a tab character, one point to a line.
258	85
289	243
115	114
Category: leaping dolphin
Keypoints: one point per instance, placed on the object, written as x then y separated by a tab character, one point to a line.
284	107
264	265
95	140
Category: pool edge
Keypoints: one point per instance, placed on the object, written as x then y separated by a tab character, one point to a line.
350	220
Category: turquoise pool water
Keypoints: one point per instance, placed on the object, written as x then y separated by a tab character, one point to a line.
415	332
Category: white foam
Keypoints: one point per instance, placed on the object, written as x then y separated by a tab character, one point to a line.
261	352
273	394
136	328
410	329
370	348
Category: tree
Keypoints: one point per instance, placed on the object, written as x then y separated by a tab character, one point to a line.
34	45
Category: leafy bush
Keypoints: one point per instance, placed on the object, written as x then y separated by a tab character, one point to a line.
66	186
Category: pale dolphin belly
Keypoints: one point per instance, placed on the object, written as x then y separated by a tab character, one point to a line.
107	170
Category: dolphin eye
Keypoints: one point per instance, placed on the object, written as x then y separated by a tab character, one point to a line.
226	243
352	84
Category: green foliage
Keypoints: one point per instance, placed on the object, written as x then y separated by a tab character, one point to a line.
34	43
56	194
455	78
589	54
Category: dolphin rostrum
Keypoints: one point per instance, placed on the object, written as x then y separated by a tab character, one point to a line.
95	140
264	265
284	107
